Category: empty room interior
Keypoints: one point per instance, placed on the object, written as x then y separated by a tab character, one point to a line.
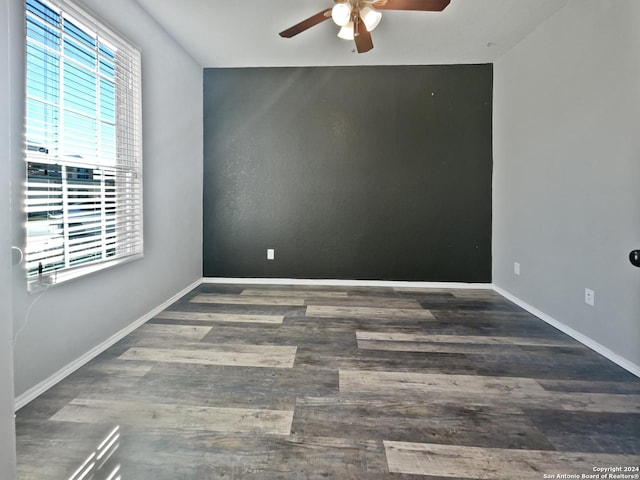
409	251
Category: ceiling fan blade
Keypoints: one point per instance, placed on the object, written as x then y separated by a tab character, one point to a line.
422	5
362	37
306	24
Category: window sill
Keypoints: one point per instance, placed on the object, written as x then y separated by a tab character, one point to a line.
45	281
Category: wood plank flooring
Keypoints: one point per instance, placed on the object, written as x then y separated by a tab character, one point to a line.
275	382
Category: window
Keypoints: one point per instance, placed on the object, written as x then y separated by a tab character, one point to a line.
83	145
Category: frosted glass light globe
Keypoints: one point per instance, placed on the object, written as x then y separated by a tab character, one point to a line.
370	17
341	14
346	32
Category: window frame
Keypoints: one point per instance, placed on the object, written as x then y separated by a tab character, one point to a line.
108	195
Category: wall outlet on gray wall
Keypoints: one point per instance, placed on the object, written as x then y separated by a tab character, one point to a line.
589	297
271	254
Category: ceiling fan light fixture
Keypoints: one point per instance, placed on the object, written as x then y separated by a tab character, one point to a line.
341	13
370	17
346	32
358	18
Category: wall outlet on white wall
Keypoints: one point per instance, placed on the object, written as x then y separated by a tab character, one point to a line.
589	297
516	268
271	253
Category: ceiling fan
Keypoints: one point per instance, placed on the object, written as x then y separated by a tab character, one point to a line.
358	18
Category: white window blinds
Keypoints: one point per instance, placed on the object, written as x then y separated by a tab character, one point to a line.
83	145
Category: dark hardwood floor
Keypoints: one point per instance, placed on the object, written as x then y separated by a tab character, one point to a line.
273	382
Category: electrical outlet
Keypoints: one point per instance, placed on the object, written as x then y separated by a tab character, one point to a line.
589	297
271	254
516	268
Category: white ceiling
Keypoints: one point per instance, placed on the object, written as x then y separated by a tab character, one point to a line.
244	33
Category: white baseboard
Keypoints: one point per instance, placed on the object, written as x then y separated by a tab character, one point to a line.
589	342
40	388
344	283
46	384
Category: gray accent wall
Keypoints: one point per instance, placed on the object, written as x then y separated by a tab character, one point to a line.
65	322
10	135
377	173
567	171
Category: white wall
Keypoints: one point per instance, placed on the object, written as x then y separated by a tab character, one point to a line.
567	171
68	320
9	139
